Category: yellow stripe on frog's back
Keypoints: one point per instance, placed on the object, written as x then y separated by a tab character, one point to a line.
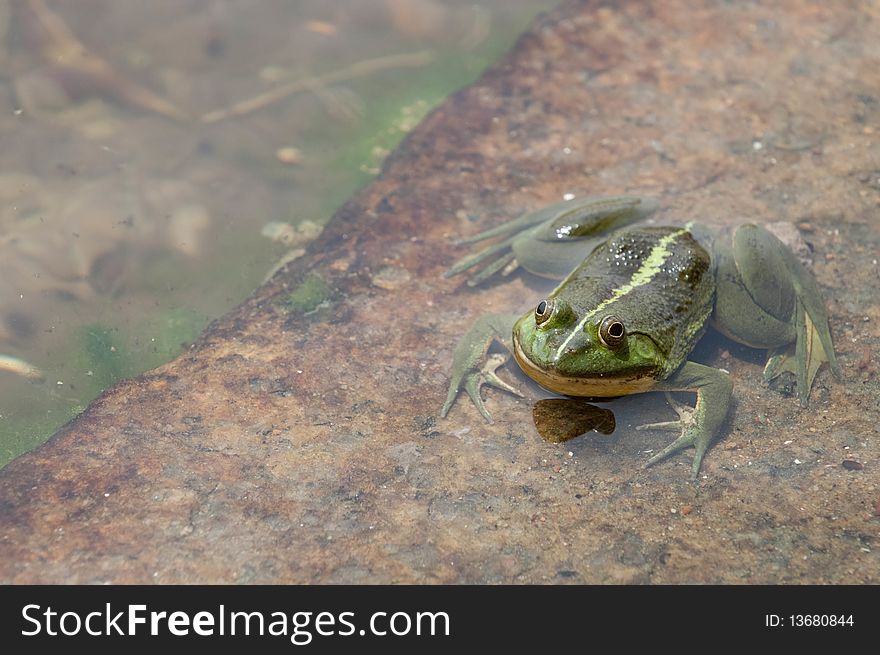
649	268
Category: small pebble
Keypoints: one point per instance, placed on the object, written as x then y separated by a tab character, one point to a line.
864	365
390	278
852	465
288	155
321	27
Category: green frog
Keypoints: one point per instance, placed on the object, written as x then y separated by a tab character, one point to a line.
632	304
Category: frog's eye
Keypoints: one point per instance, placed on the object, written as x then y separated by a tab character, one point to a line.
612	331
543	311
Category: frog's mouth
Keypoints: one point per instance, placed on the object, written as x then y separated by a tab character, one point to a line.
602	386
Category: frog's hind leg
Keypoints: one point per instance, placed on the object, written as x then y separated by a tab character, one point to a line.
767	299
551	241
515	228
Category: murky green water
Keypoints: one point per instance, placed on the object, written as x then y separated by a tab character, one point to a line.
160	158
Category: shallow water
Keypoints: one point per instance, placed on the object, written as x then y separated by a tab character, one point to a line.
160	159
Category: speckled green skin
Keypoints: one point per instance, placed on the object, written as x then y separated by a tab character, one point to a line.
664	315
663	284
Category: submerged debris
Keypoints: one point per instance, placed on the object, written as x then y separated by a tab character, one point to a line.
358	69
391	278
293	236
561	419
20	367
72	70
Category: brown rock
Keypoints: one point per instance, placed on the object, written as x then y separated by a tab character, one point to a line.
297	441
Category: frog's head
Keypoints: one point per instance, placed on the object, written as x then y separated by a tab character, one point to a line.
590	355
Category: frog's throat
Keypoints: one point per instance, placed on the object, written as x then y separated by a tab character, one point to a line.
602	387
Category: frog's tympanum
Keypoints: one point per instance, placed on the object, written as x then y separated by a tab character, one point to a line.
632	304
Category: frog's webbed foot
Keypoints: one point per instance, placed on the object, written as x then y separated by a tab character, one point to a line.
689	435
473	381
473	367
804	357
765	298
493	363
550	241
699	424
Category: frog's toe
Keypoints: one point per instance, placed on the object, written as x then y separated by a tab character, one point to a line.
506	262
450	398
686	440
700	449
779	361
472	386
473	382
489	374
803	357
663	425
686	417
492	259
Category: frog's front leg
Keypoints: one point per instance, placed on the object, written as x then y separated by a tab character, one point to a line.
700	424
471	368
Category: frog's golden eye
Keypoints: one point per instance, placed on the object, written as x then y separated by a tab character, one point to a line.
612	331
543	311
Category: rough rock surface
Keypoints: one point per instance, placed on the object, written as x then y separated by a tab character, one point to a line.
297	440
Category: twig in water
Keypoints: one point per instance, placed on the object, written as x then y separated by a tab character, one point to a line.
358	69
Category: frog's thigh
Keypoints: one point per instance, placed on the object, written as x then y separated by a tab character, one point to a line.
563	234
755	294
551	259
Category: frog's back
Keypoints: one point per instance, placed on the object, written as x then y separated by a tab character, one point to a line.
657	280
